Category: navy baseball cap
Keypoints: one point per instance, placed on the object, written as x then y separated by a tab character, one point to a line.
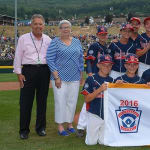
126	26
131	58
105	59
135	19
147	18
101	30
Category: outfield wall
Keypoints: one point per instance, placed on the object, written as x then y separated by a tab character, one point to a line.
6	66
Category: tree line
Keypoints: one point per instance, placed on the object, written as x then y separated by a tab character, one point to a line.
56	9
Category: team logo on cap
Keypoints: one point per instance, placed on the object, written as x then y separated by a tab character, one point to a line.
91	52
102	29
107	57
128	118
132	58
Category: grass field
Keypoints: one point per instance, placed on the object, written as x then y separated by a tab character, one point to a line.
8	77
9	122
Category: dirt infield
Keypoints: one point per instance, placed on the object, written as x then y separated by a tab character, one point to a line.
5	86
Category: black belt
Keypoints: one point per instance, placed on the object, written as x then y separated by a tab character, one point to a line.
35	65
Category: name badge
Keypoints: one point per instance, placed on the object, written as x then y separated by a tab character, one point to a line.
39	61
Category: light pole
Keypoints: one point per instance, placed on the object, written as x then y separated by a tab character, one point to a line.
15	23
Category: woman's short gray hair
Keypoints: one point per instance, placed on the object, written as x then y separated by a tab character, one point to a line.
64	22
37	16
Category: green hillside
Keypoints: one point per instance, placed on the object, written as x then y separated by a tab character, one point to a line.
67	8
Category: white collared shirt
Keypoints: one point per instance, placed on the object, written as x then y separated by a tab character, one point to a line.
26	52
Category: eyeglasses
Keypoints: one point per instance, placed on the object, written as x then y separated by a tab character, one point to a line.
64	28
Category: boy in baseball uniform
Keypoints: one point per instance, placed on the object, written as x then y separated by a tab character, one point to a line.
93	95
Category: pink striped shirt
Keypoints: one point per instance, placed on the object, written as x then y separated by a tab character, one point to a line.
26	52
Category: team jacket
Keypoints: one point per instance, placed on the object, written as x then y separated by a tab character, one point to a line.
146	75
119	52
136	79
94	52
137	42
92	83
146	57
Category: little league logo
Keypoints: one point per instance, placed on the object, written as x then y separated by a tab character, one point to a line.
128	119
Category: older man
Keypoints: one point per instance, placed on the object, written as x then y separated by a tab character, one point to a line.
34	76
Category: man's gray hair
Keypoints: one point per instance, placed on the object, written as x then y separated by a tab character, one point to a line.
64	22
37	16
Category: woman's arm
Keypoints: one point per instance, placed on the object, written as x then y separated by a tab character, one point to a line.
51	57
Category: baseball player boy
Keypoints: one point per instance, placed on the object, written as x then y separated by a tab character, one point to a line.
131	64
146	75
120	49
93	95
96	49
94	52
145	44
135	36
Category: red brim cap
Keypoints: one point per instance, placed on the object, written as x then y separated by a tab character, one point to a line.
102	33
105	62
127	28
148	18
131	29
129	62
135	19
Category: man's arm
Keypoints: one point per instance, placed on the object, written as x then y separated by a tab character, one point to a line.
18	62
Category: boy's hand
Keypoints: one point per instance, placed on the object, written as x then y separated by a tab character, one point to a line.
147	46
119	81
103	87
148	83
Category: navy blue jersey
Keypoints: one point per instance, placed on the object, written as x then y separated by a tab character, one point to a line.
119	52
137	42
146	57
146	75
91	84
136	79
94	52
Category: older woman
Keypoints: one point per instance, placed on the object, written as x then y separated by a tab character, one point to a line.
65	60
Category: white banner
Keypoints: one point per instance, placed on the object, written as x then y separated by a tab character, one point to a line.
127	115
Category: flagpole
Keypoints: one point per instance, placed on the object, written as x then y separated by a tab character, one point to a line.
15	23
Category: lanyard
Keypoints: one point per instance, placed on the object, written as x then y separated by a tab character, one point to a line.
36	47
